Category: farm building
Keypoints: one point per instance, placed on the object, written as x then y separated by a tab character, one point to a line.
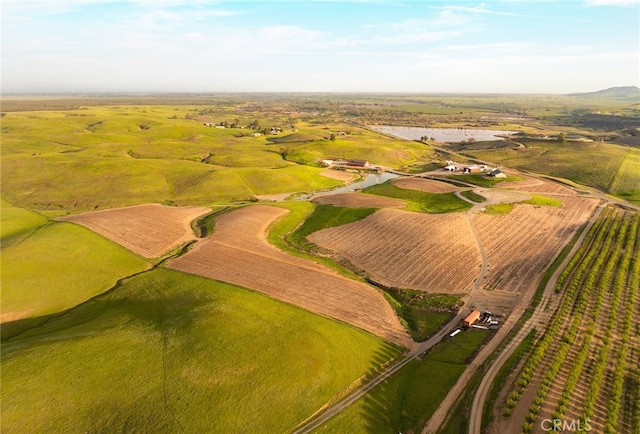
471	319
450	168
474	169
362	164
497	173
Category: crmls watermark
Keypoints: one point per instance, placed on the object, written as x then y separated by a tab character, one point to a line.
563	425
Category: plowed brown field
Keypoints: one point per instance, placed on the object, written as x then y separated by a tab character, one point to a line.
339	175
427	185
431	252
149	230
238	253
540	186
358	200
521	244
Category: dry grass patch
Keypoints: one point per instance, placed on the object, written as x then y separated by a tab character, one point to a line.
426	185
339	175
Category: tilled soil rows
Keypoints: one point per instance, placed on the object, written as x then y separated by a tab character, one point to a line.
430	252
520	245
238	253
149	230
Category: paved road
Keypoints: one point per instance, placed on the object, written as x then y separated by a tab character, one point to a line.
539	318
358	393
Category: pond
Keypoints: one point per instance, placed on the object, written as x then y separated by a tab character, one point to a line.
450	135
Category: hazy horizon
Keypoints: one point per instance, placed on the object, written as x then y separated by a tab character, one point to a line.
322	46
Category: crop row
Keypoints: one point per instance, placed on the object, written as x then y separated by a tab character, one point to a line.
596	280
532	235
606	269
552	333
611	274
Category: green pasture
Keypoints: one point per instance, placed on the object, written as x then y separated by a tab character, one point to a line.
539	200
170	352
500	208
17	223
626	183
420	201
109	156
611	168
289	232
48	266
303	148
422	313
326	216
473	196
406	401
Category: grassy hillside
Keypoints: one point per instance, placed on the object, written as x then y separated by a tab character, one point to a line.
47	266
610	168
110	156
421	201
170	352
405	402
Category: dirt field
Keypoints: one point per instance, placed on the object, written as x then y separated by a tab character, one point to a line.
149	230
430	252
427	185
495	196
339	175
238	253
521	244
357	200
540	186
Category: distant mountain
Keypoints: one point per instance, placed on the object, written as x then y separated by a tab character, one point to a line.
622	92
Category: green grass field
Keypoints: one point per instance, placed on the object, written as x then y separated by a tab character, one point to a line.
626	183
48	266
406	401
539	200
167	352
17	223
420	201
611	168
423	313
326	216
473	196
111	156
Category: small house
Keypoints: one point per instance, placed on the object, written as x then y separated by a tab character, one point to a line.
497	173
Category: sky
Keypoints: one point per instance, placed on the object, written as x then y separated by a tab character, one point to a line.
501	46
